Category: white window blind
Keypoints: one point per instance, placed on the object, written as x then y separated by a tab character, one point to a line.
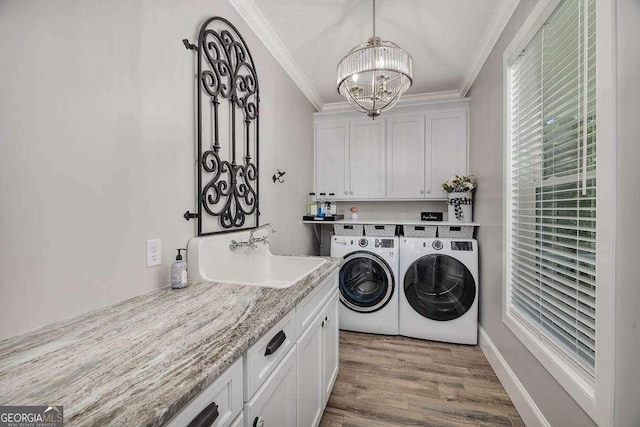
553	183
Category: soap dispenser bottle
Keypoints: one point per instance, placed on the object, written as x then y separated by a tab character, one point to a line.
179	272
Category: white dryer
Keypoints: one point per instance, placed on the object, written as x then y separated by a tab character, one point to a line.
368	283
439	289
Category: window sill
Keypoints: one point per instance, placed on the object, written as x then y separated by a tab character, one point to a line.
575	383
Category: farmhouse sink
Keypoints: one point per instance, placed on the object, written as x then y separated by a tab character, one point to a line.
211	260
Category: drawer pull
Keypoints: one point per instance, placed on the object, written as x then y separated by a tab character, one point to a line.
258	422
207	417
379	227
275	343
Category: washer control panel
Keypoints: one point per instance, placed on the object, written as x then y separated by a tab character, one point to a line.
461	246
384	243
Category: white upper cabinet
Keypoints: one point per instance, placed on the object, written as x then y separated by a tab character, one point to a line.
332	157
405	156
446	149
367	159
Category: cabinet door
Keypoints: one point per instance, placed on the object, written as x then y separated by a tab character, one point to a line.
238	422
332	145
405	157
275	402
446	149
367	159
310	386
225	393
331	340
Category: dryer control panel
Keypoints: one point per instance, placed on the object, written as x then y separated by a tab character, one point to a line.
461	246
384	243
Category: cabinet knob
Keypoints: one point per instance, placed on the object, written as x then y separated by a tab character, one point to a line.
258	422
323	323
350	192
428	191
421	191
346	192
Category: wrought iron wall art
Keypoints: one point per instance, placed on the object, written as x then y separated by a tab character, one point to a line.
227	130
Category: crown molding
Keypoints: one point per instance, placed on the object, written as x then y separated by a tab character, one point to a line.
259	24
405	100
499	19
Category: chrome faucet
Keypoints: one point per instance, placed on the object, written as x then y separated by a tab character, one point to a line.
252	242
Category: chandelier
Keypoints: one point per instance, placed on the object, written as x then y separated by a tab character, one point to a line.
374	74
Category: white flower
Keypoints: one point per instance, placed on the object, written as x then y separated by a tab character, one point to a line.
459	183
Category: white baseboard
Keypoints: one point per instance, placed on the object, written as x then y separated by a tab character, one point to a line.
527	408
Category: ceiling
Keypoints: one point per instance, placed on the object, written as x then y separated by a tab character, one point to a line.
449	40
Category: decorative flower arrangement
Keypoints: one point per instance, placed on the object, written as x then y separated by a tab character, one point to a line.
460	184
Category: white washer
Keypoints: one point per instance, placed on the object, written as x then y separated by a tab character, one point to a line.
368	282
439	289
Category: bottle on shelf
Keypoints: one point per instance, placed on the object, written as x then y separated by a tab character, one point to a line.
321	207
333	209
312	205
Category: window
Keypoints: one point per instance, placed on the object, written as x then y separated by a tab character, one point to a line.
552	181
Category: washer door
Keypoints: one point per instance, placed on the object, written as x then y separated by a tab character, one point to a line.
439	287
366	282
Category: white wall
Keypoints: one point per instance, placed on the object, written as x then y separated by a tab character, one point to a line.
97	150
486	157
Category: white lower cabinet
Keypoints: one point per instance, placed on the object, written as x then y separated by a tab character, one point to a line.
285	377
238	422
318	363
310	378
330	344
274	404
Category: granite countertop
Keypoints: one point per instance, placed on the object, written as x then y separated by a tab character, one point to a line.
140	361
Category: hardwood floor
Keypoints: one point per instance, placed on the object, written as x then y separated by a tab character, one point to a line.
397	381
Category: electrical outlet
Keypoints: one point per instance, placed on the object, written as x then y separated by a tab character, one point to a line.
154	252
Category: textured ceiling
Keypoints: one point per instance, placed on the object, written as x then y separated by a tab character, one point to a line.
441	35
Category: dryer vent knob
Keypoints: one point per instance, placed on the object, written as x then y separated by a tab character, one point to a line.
437	245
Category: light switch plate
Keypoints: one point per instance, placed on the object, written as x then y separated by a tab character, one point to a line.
154	252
